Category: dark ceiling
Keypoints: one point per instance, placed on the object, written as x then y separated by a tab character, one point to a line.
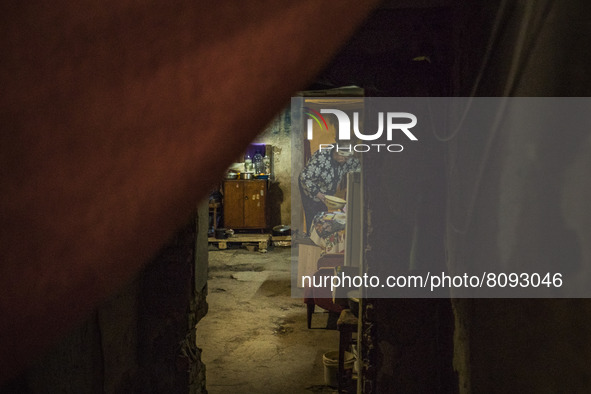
396	51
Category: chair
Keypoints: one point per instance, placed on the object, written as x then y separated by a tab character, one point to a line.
322	296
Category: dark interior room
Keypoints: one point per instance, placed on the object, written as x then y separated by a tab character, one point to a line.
119	118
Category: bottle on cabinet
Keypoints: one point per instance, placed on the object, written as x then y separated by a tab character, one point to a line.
258	160
259	166
248	167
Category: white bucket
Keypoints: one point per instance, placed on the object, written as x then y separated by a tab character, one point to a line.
331	366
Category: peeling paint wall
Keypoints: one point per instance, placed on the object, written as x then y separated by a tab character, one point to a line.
141	340
278	134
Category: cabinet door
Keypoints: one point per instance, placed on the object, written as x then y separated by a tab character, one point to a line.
255	204
234	204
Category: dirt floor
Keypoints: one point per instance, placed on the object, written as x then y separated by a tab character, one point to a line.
254	338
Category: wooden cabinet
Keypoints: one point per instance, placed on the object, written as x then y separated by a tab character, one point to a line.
245	204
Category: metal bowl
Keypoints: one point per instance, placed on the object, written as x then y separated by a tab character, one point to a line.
334	203
282	229
246	175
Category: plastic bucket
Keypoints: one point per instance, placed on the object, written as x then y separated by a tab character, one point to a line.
331	366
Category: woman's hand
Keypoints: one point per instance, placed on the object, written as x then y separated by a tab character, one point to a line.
321	197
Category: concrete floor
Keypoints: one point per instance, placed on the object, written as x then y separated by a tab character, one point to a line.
254	338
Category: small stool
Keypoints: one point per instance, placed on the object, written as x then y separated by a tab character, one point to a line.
347	325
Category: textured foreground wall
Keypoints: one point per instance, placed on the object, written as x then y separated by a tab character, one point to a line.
520	200
142	340
531	209
407	343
